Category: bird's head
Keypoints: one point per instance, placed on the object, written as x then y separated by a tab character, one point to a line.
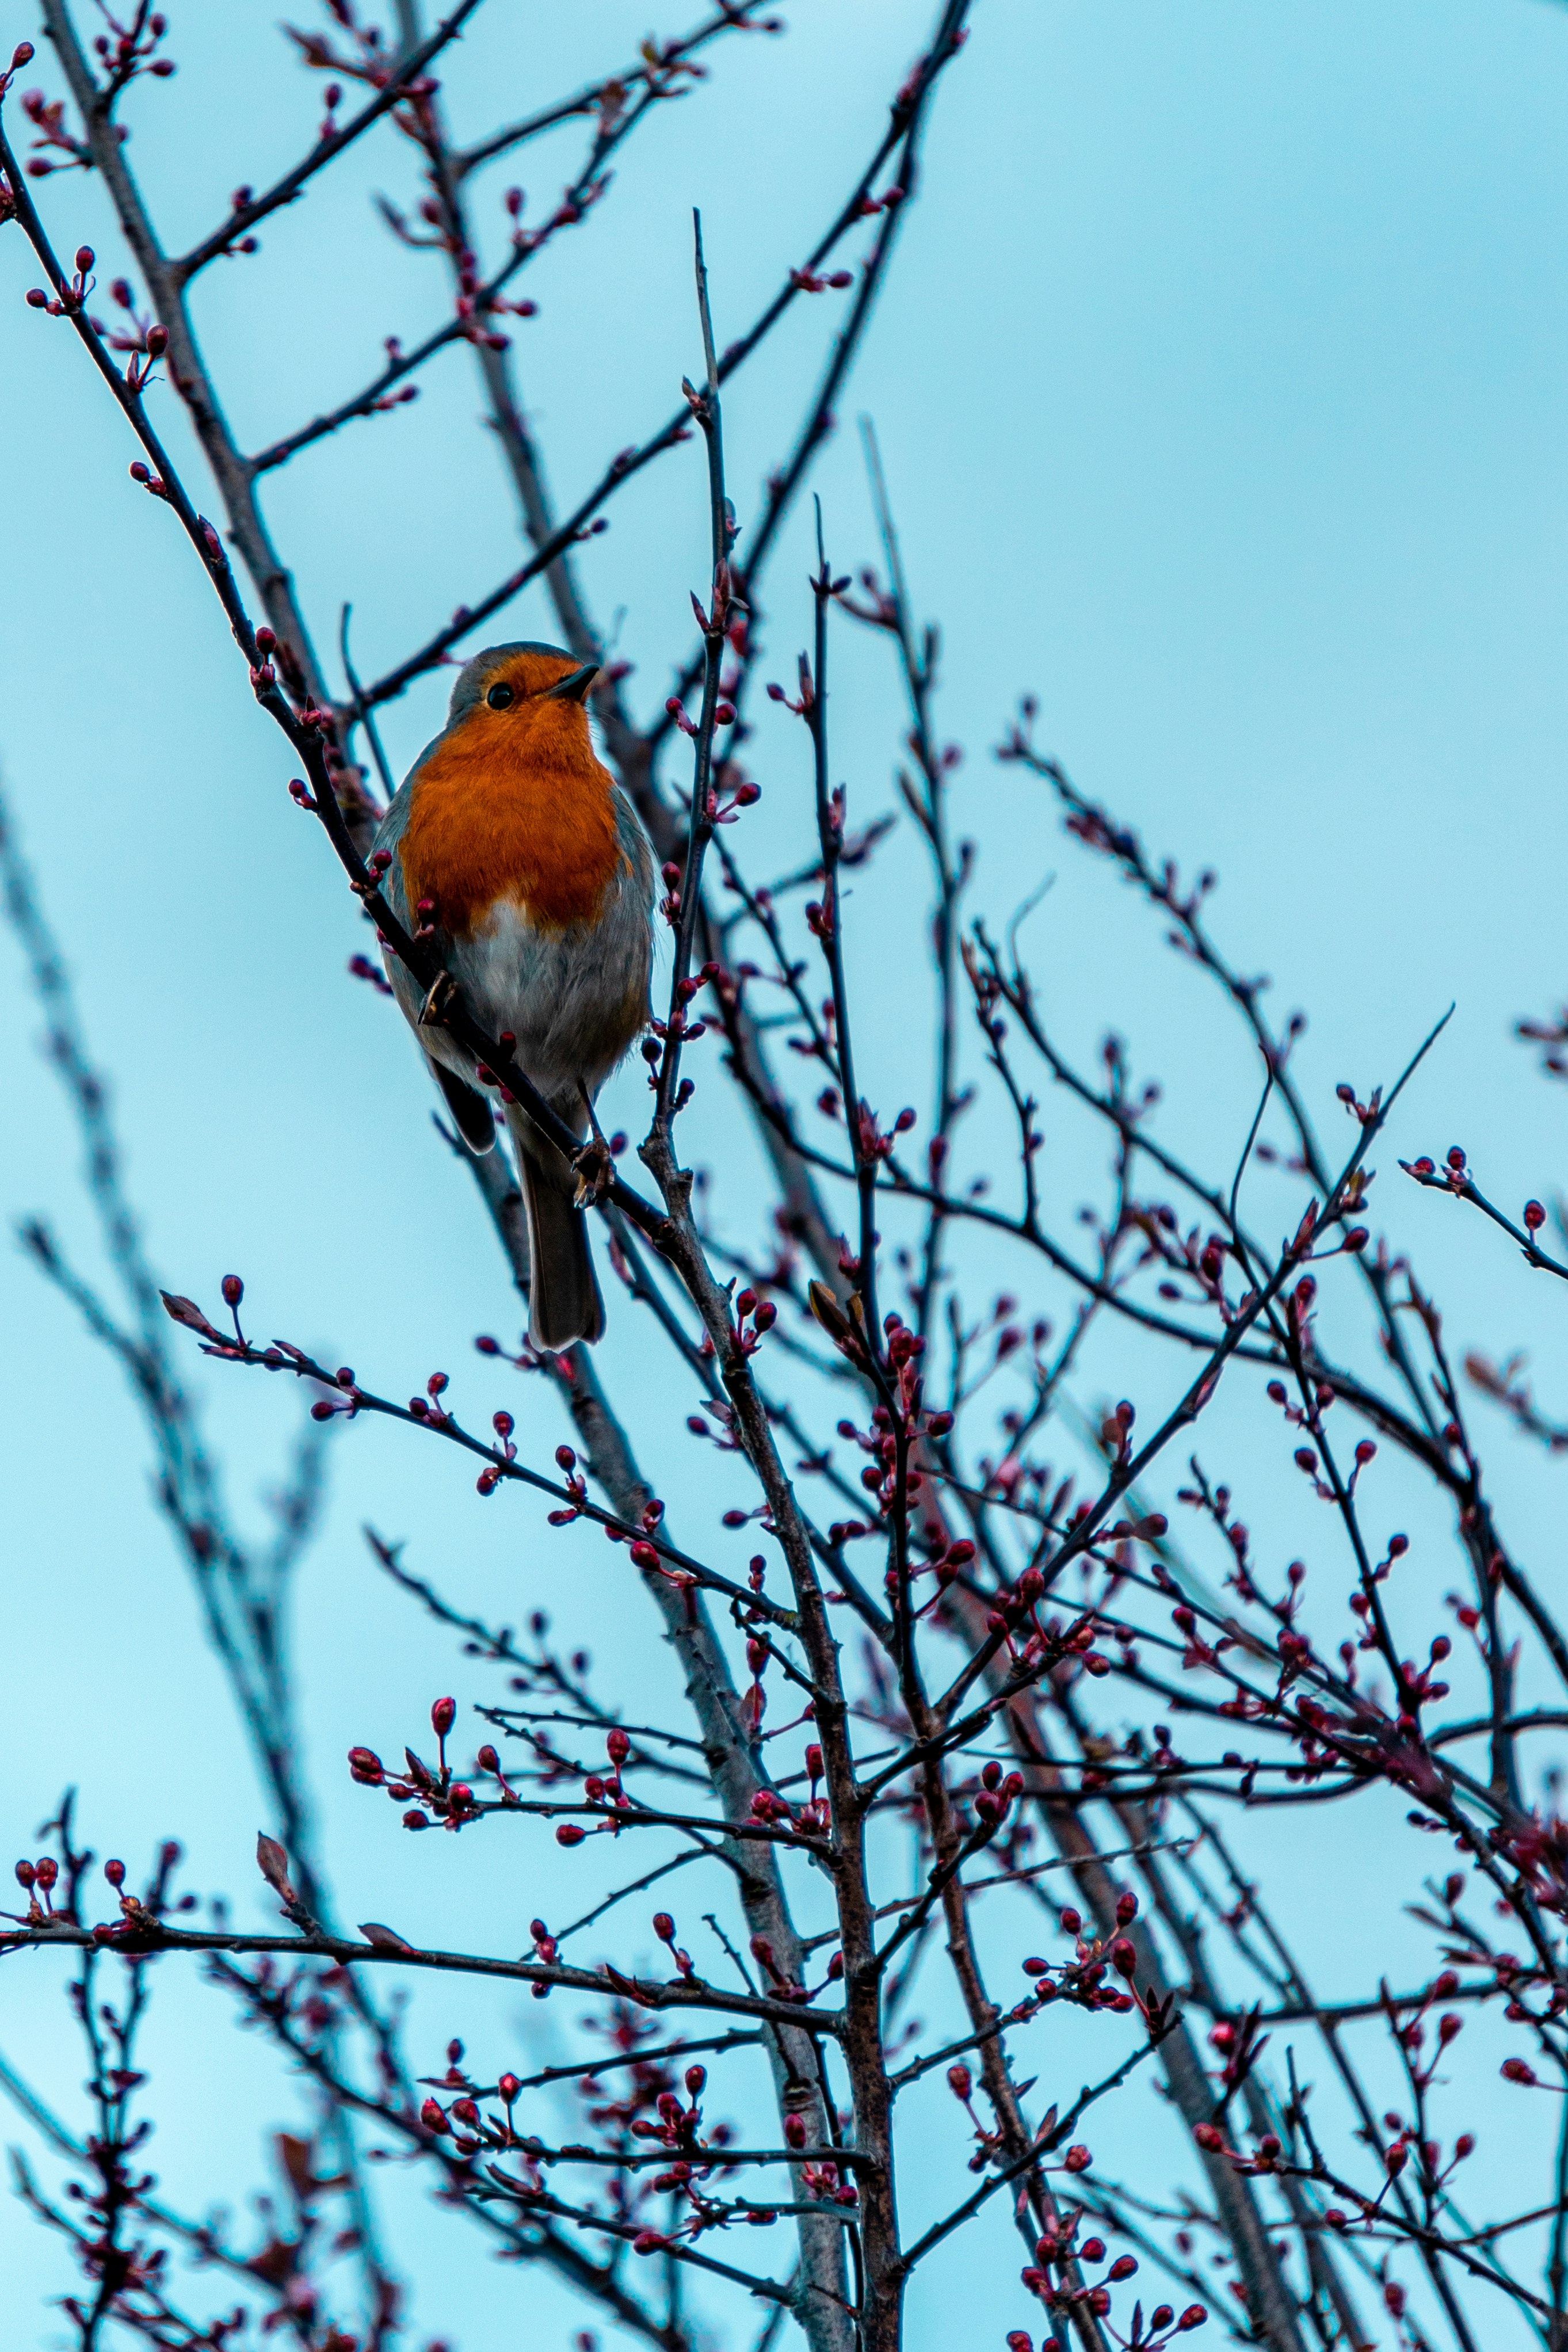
529	699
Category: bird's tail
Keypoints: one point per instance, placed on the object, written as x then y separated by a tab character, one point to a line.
564	1301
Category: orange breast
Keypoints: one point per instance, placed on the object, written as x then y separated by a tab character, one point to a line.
515	815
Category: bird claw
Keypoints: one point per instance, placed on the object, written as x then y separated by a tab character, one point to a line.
592	1165
433	1011
595	1170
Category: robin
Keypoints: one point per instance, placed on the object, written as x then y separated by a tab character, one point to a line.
513	841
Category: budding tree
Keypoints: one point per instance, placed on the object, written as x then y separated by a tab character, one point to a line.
983	1679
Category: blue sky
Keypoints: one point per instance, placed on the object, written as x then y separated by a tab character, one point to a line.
1219	385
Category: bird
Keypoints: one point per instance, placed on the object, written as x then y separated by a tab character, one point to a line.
512	841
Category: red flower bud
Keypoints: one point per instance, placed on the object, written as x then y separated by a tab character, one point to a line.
433	2116
1078	2158
442	1715
569	1833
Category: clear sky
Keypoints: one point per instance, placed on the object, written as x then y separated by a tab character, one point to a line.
1220	388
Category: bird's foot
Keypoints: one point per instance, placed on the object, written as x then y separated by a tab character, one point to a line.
433	1011
595	1172
593	1166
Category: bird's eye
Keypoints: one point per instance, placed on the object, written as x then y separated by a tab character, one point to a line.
500	697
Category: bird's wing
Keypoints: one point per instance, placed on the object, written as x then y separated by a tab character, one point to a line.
475	1119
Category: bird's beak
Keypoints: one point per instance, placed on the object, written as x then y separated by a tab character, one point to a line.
574	687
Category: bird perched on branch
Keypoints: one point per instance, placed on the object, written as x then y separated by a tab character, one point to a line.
514	846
